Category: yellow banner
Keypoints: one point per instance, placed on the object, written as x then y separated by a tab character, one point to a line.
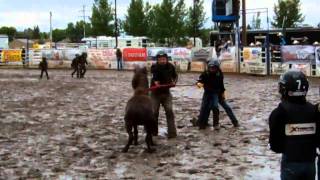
11	56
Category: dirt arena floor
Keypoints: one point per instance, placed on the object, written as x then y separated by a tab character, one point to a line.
67	128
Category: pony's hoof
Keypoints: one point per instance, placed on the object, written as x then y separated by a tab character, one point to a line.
151	150
124	150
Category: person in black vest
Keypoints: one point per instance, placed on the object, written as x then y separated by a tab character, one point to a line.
75	65
23	56
294	128
43	65
164	76
82	64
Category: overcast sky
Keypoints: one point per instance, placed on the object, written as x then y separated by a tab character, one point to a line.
28	13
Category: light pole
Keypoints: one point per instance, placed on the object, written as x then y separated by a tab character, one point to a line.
50	29
244	24
116	22
194	23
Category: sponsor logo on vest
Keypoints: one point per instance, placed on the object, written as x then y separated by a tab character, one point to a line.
300	129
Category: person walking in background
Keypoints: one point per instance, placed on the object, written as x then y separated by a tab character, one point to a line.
23	56
119	59
43	65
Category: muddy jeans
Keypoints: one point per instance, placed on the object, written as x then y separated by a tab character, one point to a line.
297	170
318	166
228	110
209	102
166	101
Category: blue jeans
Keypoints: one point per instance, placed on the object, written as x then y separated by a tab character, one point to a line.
318	164
209	102
229	112
119	63
297	170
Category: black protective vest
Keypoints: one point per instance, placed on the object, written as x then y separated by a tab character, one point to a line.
300	132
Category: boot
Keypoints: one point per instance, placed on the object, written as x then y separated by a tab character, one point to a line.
216	125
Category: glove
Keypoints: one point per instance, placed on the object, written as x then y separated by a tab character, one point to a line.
199	85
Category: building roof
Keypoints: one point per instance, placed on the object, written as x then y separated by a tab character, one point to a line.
24	41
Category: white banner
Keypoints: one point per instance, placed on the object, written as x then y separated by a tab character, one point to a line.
181	54
203	54
153	51
227	59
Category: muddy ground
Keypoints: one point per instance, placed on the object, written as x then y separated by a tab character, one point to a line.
69	128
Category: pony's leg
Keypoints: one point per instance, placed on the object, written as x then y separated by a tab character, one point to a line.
136	135
149	141
129	130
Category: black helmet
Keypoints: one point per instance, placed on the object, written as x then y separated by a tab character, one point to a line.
213	62
293	83
161	54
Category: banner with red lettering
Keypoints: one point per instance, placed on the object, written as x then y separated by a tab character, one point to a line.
134	54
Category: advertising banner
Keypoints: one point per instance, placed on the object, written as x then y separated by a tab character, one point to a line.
101	58
134	54
227	59
11	55
153	51
198	66
130	65
298	53
52	55
203	54
279	68
305	68
252	54
181	54
61	54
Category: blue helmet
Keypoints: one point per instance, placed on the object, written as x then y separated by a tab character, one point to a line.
214	62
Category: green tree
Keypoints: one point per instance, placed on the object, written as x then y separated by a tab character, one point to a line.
195	20
205	36
28	33
135	23
10	31
149	19
36	32
71	32
58	35
169	22
289	10
44	35
102	16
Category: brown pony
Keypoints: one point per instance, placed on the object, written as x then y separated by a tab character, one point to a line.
139	110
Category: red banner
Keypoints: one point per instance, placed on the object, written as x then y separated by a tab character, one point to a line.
134	54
